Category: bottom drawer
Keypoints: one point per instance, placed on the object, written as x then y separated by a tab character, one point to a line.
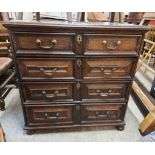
47	114
96	113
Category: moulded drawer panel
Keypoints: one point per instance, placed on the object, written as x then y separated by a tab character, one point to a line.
49	115
105	90
99	68
50	91
99	113
46	68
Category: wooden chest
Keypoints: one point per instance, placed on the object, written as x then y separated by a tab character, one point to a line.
74	74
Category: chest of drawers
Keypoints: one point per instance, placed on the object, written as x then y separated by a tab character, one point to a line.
74	74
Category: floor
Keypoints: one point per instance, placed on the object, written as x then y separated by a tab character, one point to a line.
12	122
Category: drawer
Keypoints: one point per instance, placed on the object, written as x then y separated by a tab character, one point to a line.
53	43
49	115
100	68
57	91
96	44
110	91
59	68
98	113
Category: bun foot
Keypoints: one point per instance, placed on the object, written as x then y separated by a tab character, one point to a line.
29	132
120	128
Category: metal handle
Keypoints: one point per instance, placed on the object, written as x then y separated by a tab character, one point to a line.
112	45
103	94
48	72
52	117
98	115
51	43
50	96
107	71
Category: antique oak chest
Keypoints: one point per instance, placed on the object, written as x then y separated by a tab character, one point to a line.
74	74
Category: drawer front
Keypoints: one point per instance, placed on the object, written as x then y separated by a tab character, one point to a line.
101	113
110	43
49	43
48	91
46	68
105	90
52	115
109	68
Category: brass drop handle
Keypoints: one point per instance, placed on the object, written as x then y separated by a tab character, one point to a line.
52	117
107	71
98	115
103	94
104	42
50	96
52	43
48	72
111	45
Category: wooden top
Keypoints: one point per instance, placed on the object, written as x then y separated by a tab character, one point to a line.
74	25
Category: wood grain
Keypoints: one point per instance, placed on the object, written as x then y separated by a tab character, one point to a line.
74	74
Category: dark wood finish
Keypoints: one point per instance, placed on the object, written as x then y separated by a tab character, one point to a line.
46	41
105	90
50	115
111	43
46	68
96	113
54	91
83	80
109	68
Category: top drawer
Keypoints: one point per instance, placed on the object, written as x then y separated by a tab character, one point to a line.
47	43
98	44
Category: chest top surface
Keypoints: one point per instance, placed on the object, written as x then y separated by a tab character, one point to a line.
71	26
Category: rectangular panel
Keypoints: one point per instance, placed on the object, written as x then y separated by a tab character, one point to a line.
98	113
100	68
49	115
46	68
105	90
96	44
53	43
58	91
